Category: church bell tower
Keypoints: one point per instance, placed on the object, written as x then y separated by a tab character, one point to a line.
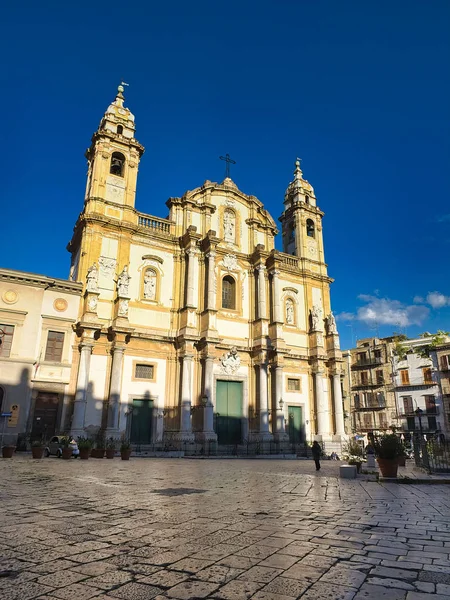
113	159
302	223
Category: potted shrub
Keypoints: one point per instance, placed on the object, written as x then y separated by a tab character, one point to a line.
98	451
388	448
37	449
110	447
8	451
84	446
353	453
125	449
67	450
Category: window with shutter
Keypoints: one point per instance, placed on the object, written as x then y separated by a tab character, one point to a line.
54	348
408	405
380	377
364	378
228	293
404	374
427	376
445	362
430	404
6	340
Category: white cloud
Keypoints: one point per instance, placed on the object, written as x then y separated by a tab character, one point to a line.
437	300
345	316
384	311
418	299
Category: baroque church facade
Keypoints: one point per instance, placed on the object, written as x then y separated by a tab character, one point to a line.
194	329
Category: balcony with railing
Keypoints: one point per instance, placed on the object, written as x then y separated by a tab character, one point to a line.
429	412
154	224
367	362
414	383
373	405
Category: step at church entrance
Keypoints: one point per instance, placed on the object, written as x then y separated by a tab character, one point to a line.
229	412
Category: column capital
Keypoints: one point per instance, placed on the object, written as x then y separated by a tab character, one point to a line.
86	346
191	251
211	254
260	268
118	349
274	272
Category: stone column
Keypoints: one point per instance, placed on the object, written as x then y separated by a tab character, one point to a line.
79	406
263	403
280	429
209	377
262	311
338	408
321	408
277	313
186	395
114	391
191	272
211	281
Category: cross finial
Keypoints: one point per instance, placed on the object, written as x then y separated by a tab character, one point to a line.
228	161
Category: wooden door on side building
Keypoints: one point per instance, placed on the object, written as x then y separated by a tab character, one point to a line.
141	421
45	416
295	424
229	412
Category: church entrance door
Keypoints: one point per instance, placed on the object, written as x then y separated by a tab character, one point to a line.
141	422
295	424
229	413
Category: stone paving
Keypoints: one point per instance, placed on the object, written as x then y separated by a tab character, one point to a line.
223	529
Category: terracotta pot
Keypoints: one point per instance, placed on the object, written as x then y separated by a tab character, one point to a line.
110	452
97	452
67	453
37	451
388	466
401	461
125	454
84	453
8	451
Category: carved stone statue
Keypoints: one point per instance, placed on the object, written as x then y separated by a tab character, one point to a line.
289	312
316	318
331	322
229	226
92	278
230	362
123	308
149	285
123	282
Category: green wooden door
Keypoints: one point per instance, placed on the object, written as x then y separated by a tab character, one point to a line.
295	424
141	422
229	412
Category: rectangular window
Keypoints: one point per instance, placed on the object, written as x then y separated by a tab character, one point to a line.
361	358
383	421
445	363
430	404
364	378
6	340
427	376
411	423
378	355
293	385
408	405
368	421
404	374
54	349
380	377
432	424
144	371
357	401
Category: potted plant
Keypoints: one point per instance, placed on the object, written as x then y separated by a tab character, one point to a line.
125	449
388	448
110	447
98	451
353	453
37	449
67	450
8	451
84	446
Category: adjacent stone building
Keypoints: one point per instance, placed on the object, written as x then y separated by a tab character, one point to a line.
37	315
194	328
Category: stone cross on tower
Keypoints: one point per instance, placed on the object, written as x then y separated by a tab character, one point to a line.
228	161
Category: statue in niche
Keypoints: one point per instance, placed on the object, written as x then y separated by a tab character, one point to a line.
92	278
316	318
331	322
289	312
123	282
229	226
150	285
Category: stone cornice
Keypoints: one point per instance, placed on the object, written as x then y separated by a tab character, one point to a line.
42	281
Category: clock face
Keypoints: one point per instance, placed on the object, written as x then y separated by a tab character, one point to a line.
312	250
122	111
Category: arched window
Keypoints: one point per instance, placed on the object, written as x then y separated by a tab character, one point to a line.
228	292
119	129
310	229
307	199
117	164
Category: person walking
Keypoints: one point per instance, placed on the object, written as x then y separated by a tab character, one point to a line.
316	452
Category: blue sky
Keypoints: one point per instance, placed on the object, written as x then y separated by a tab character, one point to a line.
359	90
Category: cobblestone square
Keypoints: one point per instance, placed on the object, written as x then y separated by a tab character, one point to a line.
229	529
